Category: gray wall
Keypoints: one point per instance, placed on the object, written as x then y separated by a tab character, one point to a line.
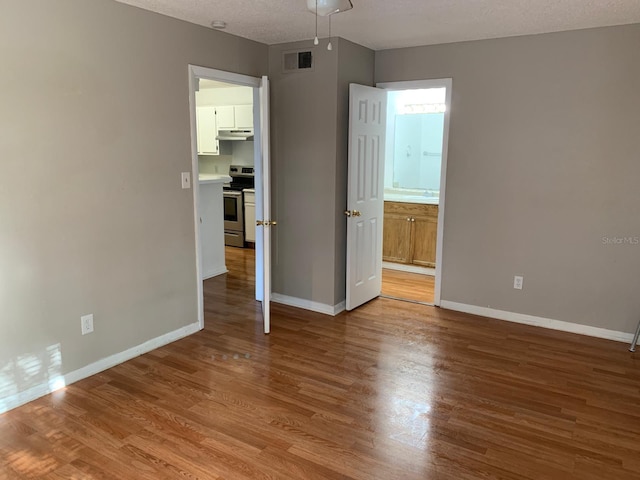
309	114
544	162
303	152
94	132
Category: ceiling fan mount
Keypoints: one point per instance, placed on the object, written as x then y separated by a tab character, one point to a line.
324	8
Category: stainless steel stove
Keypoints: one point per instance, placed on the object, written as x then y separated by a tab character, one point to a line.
241	177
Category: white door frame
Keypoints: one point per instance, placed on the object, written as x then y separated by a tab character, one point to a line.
195	73
424	84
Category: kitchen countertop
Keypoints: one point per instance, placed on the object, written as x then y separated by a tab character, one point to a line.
207	178
249	190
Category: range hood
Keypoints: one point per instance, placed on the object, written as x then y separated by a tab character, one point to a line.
235	135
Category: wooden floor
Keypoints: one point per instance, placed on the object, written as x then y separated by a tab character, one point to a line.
415	287
392	390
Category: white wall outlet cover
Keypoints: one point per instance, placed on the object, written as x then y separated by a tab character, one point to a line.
186	179
86	324
517	282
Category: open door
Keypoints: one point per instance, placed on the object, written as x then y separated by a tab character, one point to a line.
365	195
263	209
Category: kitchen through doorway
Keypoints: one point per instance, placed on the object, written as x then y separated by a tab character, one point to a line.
226	116
225	139
414	184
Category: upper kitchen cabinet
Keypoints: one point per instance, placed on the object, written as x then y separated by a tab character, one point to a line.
226	116
207	131
235	116
244	116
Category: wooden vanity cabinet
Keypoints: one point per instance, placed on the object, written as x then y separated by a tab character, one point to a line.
396	238
409	234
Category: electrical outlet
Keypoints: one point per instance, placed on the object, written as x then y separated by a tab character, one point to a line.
186	179
86	324
517	282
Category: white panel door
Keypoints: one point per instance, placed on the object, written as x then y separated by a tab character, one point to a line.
263	214
365	198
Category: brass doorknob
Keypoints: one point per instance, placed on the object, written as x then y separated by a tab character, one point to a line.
347	213
352	213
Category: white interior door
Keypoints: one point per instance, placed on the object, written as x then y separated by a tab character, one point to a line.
365	196
263	209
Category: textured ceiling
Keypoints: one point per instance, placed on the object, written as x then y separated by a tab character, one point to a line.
383	24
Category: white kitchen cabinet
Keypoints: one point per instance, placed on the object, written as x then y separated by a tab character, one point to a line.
234	117
207	131
226	117
250	215
244	116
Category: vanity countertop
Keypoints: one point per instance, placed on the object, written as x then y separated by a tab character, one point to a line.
394	197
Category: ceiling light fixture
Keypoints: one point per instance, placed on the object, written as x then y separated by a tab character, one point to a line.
315	40
219	24
326	8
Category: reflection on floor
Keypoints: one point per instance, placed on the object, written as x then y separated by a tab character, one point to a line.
241	262
407	286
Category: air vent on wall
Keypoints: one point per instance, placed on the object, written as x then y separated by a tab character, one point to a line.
294	61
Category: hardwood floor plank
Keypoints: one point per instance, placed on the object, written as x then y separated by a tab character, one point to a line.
416	287
392	390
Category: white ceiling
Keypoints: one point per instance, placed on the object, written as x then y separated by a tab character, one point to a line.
383	24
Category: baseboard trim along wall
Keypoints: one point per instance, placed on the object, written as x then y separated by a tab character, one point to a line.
214	273
332	310
401	267
52	385
539	321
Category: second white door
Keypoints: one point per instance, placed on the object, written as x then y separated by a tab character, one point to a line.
365	196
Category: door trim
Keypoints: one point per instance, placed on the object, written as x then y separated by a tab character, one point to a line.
196	72
423	84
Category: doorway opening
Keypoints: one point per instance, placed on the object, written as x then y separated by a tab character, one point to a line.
227	133
224	117
414	185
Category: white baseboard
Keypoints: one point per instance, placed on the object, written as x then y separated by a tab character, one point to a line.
401	267
539	321
332	310
43	389
214	273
